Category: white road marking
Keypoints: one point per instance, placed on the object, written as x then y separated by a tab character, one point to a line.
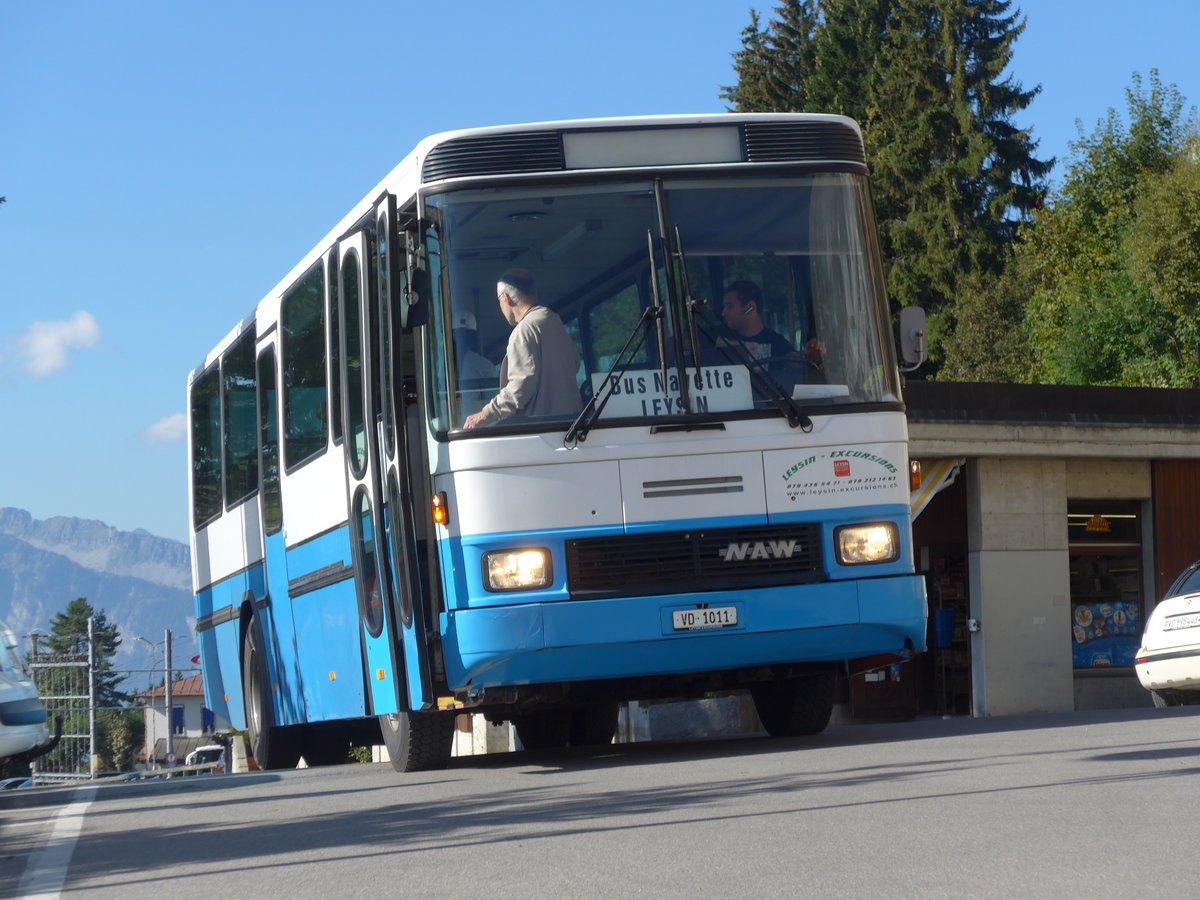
46	870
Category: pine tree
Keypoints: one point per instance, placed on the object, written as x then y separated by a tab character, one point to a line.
846	47
69	635
954	176
774	66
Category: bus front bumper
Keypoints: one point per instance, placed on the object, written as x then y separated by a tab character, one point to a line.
584	640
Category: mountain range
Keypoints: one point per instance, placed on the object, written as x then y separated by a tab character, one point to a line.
141	582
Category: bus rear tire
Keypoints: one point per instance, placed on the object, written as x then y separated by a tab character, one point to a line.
272	746
795	706
417	741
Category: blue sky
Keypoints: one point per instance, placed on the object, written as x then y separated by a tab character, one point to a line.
165	164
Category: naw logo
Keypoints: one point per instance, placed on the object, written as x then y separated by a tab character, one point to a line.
759	550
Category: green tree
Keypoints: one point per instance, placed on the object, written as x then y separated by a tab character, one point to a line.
1165	241
1105	275
954	176
774	65
990	342
120	733
69	635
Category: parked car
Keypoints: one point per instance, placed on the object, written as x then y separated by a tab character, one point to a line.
11	784
1168	662
209	754
23	730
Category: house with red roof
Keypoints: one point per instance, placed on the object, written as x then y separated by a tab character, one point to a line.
189	722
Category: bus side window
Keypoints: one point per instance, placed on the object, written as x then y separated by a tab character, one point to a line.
305	401
240	419
206	447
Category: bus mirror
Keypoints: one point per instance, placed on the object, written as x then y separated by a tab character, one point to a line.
414	306
912	337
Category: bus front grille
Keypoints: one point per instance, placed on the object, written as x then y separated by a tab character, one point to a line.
689	561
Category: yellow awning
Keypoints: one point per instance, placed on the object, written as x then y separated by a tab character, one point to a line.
936	474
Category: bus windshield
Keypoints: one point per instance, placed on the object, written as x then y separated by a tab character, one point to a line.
711	297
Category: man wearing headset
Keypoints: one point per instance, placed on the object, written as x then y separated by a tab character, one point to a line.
742	313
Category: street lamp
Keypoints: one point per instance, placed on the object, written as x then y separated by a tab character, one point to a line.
167	700
149	698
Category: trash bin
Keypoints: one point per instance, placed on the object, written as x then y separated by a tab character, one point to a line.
943	627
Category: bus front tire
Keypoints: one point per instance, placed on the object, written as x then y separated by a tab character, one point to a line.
417	741
272	746
795	706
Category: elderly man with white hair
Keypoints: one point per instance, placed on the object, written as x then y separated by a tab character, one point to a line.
537	377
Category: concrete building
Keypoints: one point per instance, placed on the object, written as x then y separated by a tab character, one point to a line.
1073	508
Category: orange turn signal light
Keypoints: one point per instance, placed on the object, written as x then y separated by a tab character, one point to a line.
441	512
914	475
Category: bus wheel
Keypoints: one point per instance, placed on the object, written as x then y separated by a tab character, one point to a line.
594	726
548	730
417	740
272	747
795	706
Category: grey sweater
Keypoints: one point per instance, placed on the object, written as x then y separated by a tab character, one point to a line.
537	377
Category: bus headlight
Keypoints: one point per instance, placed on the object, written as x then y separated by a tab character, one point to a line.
857	545
517	570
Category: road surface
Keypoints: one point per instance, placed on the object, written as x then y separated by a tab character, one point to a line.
1098	804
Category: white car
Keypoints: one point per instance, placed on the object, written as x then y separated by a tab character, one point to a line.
1168	662
209	754
23	728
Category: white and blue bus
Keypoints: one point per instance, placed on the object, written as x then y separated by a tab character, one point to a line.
707	518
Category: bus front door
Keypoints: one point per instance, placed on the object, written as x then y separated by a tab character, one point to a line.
361	427
397	385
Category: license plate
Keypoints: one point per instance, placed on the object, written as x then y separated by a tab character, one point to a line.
704	619
1191	620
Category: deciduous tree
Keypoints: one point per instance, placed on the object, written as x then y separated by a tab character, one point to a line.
1106	273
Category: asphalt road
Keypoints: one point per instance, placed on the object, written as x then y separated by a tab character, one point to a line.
1081	805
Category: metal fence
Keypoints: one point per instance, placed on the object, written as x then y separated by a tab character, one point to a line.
66	685
95	738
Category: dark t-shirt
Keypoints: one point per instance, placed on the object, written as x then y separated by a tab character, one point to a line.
768	344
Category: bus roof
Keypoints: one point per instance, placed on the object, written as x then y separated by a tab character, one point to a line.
405	179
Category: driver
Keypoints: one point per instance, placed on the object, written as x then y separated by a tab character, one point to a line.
742	313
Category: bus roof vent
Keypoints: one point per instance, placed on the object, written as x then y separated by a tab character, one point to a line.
802	142
496	154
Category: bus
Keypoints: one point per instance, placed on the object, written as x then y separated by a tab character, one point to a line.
706	518
24	733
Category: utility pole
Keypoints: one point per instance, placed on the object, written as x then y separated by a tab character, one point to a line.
93	762
167	694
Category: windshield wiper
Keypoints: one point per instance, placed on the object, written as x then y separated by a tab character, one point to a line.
595	406
758	375
660	195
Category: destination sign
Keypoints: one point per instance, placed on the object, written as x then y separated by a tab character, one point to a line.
642	392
